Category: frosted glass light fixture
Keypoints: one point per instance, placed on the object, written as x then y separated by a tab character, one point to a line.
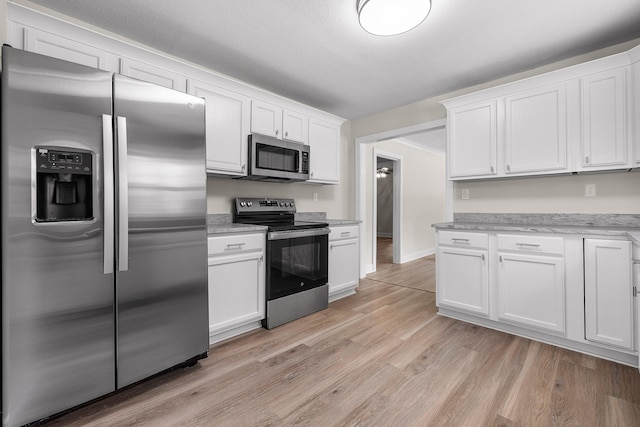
390	17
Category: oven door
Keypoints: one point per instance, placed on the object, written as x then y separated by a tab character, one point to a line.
296	261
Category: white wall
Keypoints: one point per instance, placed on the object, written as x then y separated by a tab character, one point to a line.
617	192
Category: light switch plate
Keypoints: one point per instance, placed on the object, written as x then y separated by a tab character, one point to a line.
465	194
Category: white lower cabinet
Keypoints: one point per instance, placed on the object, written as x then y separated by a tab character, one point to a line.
574	291
344	270
236	284
462	272
531	291
608	286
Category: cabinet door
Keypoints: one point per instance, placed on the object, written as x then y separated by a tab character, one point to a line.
536	131
635	110
324	139
266	119
531	291
604	142
344	271
236	291
472	140
608	286
151	74
69	50
227	125
463	280
295	126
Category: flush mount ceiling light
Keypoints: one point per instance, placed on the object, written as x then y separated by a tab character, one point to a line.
390	17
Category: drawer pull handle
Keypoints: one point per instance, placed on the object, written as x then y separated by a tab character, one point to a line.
530	245
345	233
235	246
459	240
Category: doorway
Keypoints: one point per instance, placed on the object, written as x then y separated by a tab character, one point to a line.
365	192
387	198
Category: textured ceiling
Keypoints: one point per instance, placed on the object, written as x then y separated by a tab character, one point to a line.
313	51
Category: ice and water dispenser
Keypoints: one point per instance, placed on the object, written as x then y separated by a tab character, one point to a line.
63	184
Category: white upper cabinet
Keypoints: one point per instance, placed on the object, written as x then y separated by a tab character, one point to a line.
227	128
473	140
536	131
295	126
604	112
152	74
266	119
69	50
324	140
272	120
575	119
635	110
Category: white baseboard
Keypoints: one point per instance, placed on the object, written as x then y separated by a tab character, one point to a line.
414	256
383	234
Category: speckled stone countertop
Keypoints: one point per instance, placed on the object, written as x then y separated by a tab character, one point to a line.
592	224
223	223
322	217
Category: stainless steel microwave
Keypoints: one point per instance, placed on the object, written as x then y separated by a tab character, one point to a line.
272	159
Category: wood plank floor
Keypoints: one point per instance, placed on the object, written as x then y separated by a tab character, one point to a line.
382	357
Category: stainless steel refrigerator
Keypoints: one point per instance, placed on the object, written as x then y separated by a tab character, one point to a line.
104	251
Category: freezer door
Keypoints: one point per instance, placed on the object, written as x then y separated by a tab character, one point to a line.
161	277
57	301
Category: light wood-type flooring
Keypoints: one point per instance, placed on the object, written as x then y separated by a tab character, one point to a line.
382	357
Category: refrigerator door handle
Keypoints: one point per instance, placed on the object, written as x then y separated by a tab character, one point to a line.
123	196
109	214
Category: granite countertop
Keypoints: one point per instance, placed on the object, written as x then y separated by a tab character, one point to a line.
223	223
592	224
342	221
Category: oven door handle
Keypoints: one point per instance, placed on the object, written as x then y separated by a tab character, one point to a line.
292	234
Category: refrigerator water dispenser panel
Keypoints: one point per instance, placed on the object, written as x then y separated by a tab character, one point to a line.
63	184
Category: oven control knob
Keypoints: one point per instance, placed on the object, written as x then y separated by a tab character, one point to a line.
249	204
281	204
290	204
242	204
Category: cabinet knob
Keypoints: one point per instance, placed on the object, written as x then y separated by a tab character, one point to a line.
508	168
586	160
492	169
286	134
277	131
244	167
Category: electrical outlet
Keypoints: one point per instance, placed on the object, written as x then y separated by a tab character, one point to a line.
315	197
465	194
589	190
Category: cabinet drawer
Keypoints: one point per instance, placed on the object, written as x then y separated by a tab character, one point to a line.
538	244
235	243
343	232
463	238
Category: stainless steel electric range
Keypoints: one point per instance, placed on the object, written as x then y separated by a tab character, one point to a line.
296	256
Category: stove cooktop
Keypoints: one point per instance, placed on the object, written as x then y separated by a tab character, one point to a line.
276	214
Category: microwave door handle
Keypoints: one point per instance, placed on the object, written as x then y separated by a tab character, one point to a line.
123	196
108	203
